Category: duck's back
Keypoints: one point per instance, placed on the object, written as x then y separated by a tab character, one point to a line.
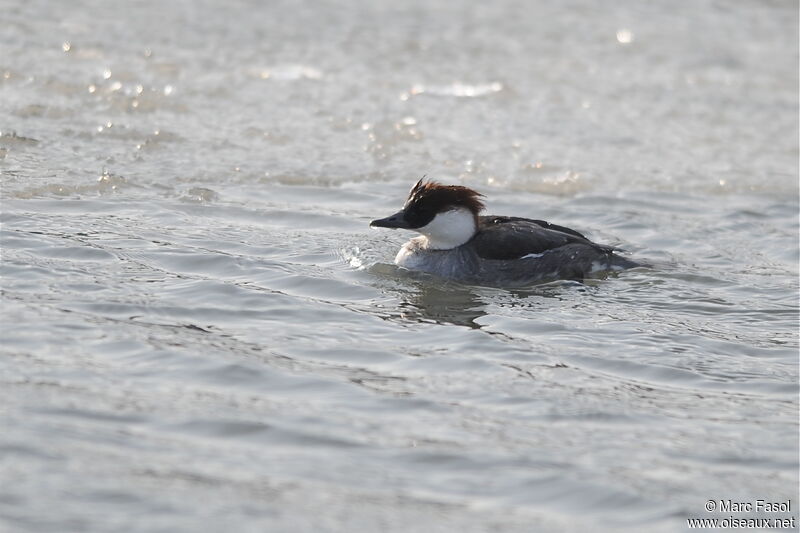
507	238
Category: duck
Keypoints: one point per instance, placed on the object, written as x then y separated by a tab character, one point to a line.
459	243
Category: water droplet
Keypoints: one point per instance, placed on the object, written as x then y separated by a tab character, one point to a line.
106	74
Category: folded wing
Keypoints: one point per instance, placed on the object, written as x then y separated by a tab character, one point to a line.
506	238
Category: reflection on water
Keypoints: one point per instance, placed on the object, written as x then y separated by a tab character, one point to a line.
453	304
426	298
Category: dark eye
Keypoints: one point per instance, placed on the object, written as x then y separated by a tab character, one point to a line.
420	213
426	212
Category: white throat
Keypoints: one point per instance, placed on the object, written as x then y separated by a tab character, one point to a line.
449	229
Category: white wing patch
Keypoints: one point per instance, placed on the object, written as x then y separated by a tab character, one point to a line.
533	256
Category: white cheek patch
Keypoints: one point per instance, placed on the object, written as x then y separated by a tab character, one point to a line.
449	229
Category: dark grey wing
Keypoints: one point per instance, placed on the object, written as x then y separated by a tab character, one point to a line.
555	227
515	237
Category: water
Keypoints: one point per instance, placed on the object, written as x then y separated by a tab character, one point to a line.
200	332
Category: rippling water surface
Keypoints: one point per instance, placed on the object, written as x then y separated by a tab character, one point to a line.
200	332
